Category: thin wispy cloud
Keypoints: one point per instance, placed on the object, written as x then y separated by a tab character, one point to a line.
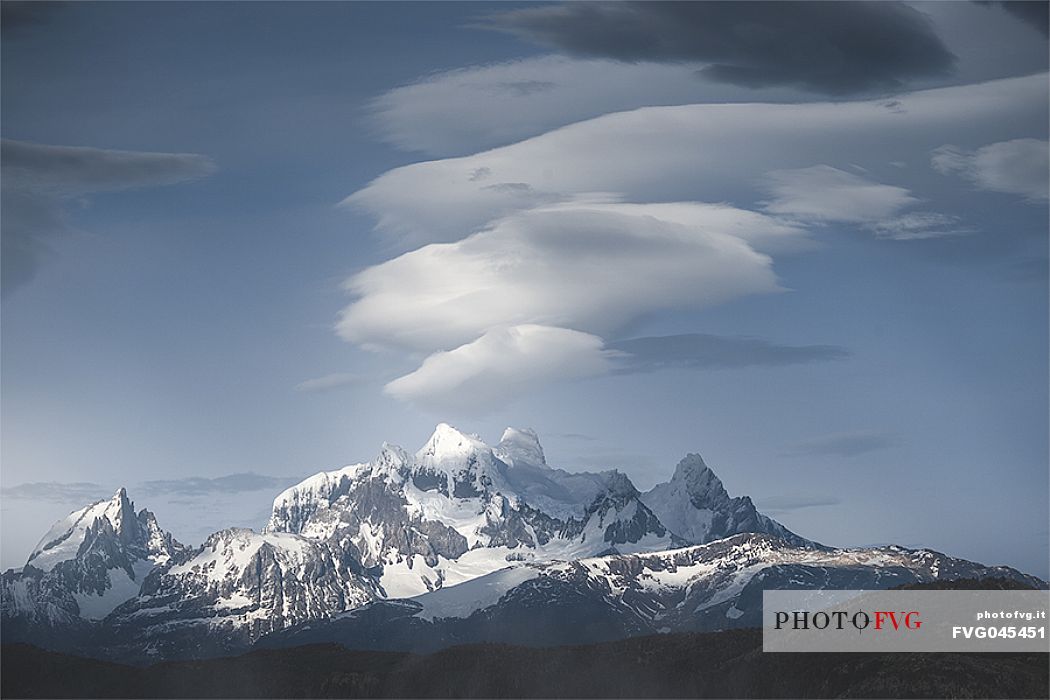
703	351
77	492
823	194
920	226
40	181
205	486
575	436
84	492
780	504
331	381
846	444
1017	167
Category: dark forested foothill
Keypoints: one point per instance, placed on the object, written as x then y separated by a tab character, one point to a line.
715	665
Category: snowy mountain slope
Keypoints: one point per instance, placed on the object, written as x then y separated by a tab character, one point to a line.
695	506
87	564
458	542
458	508
702	588
238	586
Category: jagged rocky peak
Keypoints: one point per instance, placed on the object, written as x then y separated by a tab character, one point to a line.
120	511
114	519
704	487
695	506
88	563
458	507
240	585
521	446
618	487
296	504
393	460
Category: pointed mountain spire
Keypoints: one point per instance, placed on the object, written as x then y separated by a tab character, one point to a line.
449	443
120	511
522	445
703	486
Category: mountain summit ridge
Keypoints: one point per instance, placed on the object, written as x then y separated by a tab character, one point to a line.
88	564
481	537
490	505
696	505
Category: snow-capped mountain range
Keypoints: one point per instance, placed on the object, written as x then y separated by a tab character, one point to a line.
455	538
458	509
700	588
89	563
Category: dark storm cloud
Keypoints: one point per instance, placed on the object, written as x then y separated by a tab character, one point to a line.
1034	12
830	48
202	486
18	18
38	181
76	170
843	444
701	351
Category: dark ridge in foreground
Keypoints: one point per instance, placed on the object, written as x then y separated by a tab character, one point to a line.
720	664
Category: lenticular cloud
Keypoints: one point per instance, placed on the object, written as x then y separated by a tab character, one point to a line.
522	259
589	267
528	298
502	362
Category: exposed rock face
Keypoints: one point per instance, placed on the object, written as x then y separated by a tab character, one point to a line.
696	507
458	508
238	586
90	562
475	543
702	588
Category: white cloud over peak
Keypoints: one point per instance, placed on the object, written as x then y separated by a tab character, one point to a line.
589	266
1018	166
500	364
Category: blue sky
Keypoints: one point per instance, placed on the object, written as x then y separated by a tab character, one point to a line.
304	229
